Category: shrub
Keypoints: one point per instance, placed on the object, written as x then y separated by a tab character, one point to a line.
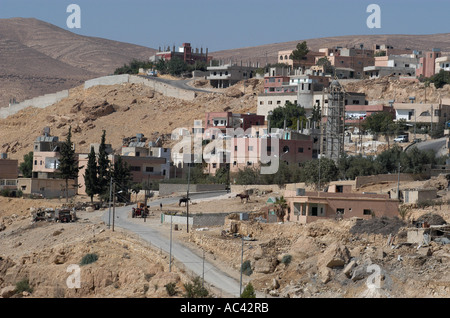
249	291
286	260
171	289
246	268
88	259
23	285
195	289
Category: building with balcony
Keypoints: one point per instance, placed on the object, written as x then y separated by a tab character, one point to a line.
433	114
226	75
442	63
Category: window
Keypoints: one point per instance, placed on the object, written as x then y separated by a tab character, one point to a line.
135	168
278	102
214	165
314	211
148	169
269	102
300	149
250	148
235	148
271	80
285	149
367	211
340	211
138	153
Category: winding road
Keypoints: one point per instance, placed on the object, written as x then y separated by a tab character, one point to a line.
220	280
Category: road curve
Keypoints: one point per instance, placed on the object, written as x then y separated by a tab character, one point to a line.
213	276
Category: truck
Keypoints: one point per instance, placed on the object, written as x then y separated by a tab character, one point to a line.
141	211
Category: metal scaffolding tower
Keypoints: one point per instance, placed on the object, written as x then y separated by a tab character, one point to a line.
334	130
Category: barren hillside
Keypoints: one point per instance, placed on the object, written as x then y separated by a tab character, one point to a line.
122	111
387	88
268	52
37	58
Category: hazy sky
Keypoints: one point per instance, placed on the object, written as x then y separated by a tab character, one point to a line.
230	24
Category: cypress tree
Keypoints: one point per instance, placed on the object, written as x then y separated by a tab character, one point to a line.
122	177
90	177
103	168
68	163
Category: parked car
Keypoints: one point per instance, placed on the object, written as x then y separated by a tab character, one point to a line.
401	138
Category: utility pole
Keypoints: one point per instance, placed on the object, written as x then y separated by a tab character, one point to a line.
187	198
242	261
398	182
114	205
109	204
170	250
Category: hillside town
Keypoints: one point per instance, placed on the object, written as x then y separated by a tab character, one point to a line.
313	156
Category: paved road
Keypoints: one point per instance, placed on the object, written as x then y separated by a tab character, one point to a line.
192	261
438	145
182	84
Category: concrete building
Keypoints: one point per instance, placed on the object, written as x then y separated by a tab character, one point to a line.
349	63
356	114
185	53
390	50
338	201
437	113
8	172
418	195
228	120
46	156
309	60
241	152
226	75
442	63
46	188
397	65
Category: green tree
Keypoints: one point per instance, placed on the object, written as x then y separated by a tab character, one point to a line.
176	66
68	163
381	123
26	167
90	176
327	67
300	52
248	175
328	171
289	112
103	168
122	178
440	79
195	289
249	291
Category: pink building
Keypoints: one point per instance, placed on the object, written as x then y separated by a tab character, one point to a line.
427	63
338	201
248	152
